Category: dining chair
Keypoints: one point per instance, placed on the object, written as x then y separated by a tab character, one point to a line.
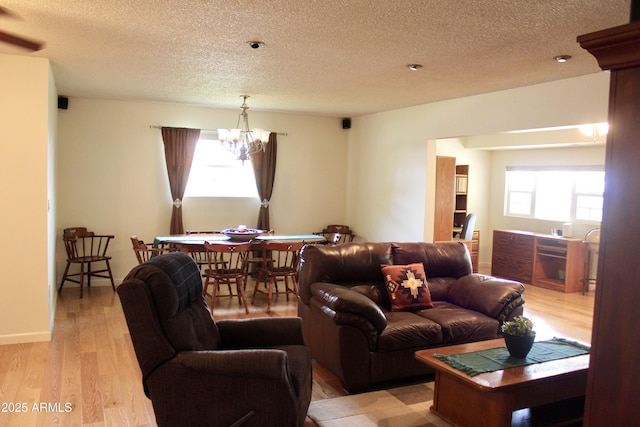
255	257
198	253
227	265
84	247
145	251
337	233
333	238
280	261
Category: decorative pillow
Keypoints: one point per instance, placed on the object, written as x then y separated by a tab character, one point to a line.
407	287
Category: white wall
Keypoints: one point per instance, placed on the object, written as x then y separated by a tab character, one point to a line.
27	133
112	175
52	197
388	151
387	177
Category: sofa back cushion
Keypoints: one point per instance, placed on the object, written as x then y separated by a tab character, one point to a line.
449	259
348	263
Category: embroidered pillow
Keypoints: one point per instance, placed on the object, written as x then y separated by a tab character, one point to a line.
407	287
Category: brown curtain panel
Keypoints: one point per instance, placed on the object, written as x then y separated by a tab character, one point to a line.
264	168
179	146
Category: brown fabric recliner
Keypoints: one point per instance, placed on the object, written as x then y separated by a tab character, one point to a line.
201	372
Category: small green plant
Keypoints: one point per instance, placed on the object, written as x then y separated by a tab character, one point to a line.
520	326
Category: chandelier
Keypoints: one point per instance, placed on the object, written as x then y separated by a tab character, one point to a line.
242	141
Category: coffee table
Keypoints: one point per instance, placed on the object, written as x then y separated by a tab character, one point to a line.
490	398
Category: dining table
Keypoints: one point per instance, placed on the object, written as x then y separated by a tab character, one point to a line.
197	240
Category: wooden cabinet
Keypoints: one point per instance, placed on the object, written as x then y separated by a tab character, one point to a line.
512	256
560	263
547	261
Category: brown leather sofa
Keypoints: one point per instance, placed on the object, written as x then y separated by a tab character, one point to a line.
348	324
201	372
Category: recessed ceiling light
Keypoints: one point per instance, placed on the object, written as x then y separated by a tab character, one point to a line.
414	67
562	58
255	44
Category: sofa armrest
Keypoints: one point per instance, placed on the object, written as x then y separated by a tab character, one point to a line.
348	302
487	294
260	332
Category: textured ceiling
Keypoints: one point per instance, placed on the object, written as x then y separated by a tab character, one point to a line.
330	57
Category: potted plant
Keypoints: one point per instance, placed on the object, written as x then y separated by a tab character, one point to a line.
519	336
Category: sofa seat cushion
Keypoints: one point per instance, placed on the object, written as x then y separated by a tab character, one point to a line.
406	330
460	325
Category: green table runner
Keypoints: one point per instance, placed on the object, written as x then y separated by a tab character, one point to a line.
495	359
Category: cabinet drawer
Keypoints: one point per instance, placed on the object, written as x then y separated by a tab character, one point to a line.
512	243
509	267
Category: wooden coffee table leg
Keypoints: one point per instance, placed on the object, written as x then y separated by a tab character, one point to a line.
462	405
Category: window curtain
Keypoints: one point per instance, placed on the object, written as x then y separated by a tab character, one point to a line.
179	147
264	168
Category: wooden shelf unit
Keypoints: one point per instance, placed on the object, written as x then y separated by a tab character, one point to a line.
451	204
547	261
462	184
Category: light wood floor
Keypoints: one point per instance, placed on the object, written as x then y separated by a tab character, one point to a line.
88	374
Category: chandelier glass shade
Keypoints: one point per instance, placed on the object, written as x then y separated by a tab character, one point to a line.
243	141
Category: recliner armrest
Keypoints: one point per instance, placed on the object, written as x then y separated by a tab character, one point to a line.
260	332
257	363
344	300
223	388
486	294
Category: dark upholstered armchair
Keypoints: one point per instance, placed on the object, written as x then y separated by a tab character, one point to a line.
199	372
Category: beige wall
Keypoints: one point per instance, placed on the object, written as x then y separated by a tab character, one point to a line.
388	156
27	134
112	175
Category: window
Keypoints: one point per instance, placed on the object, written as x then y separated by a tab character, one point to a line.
556	194
589	200
218	173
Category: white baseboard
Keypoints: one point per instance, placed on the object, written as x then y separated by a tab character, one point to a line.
25	338
95	282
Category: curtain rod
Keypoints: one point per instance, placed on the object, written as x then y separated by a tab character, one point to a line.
213	130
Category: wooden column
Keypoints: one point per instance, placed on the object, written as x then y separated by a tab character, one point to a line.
614	370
